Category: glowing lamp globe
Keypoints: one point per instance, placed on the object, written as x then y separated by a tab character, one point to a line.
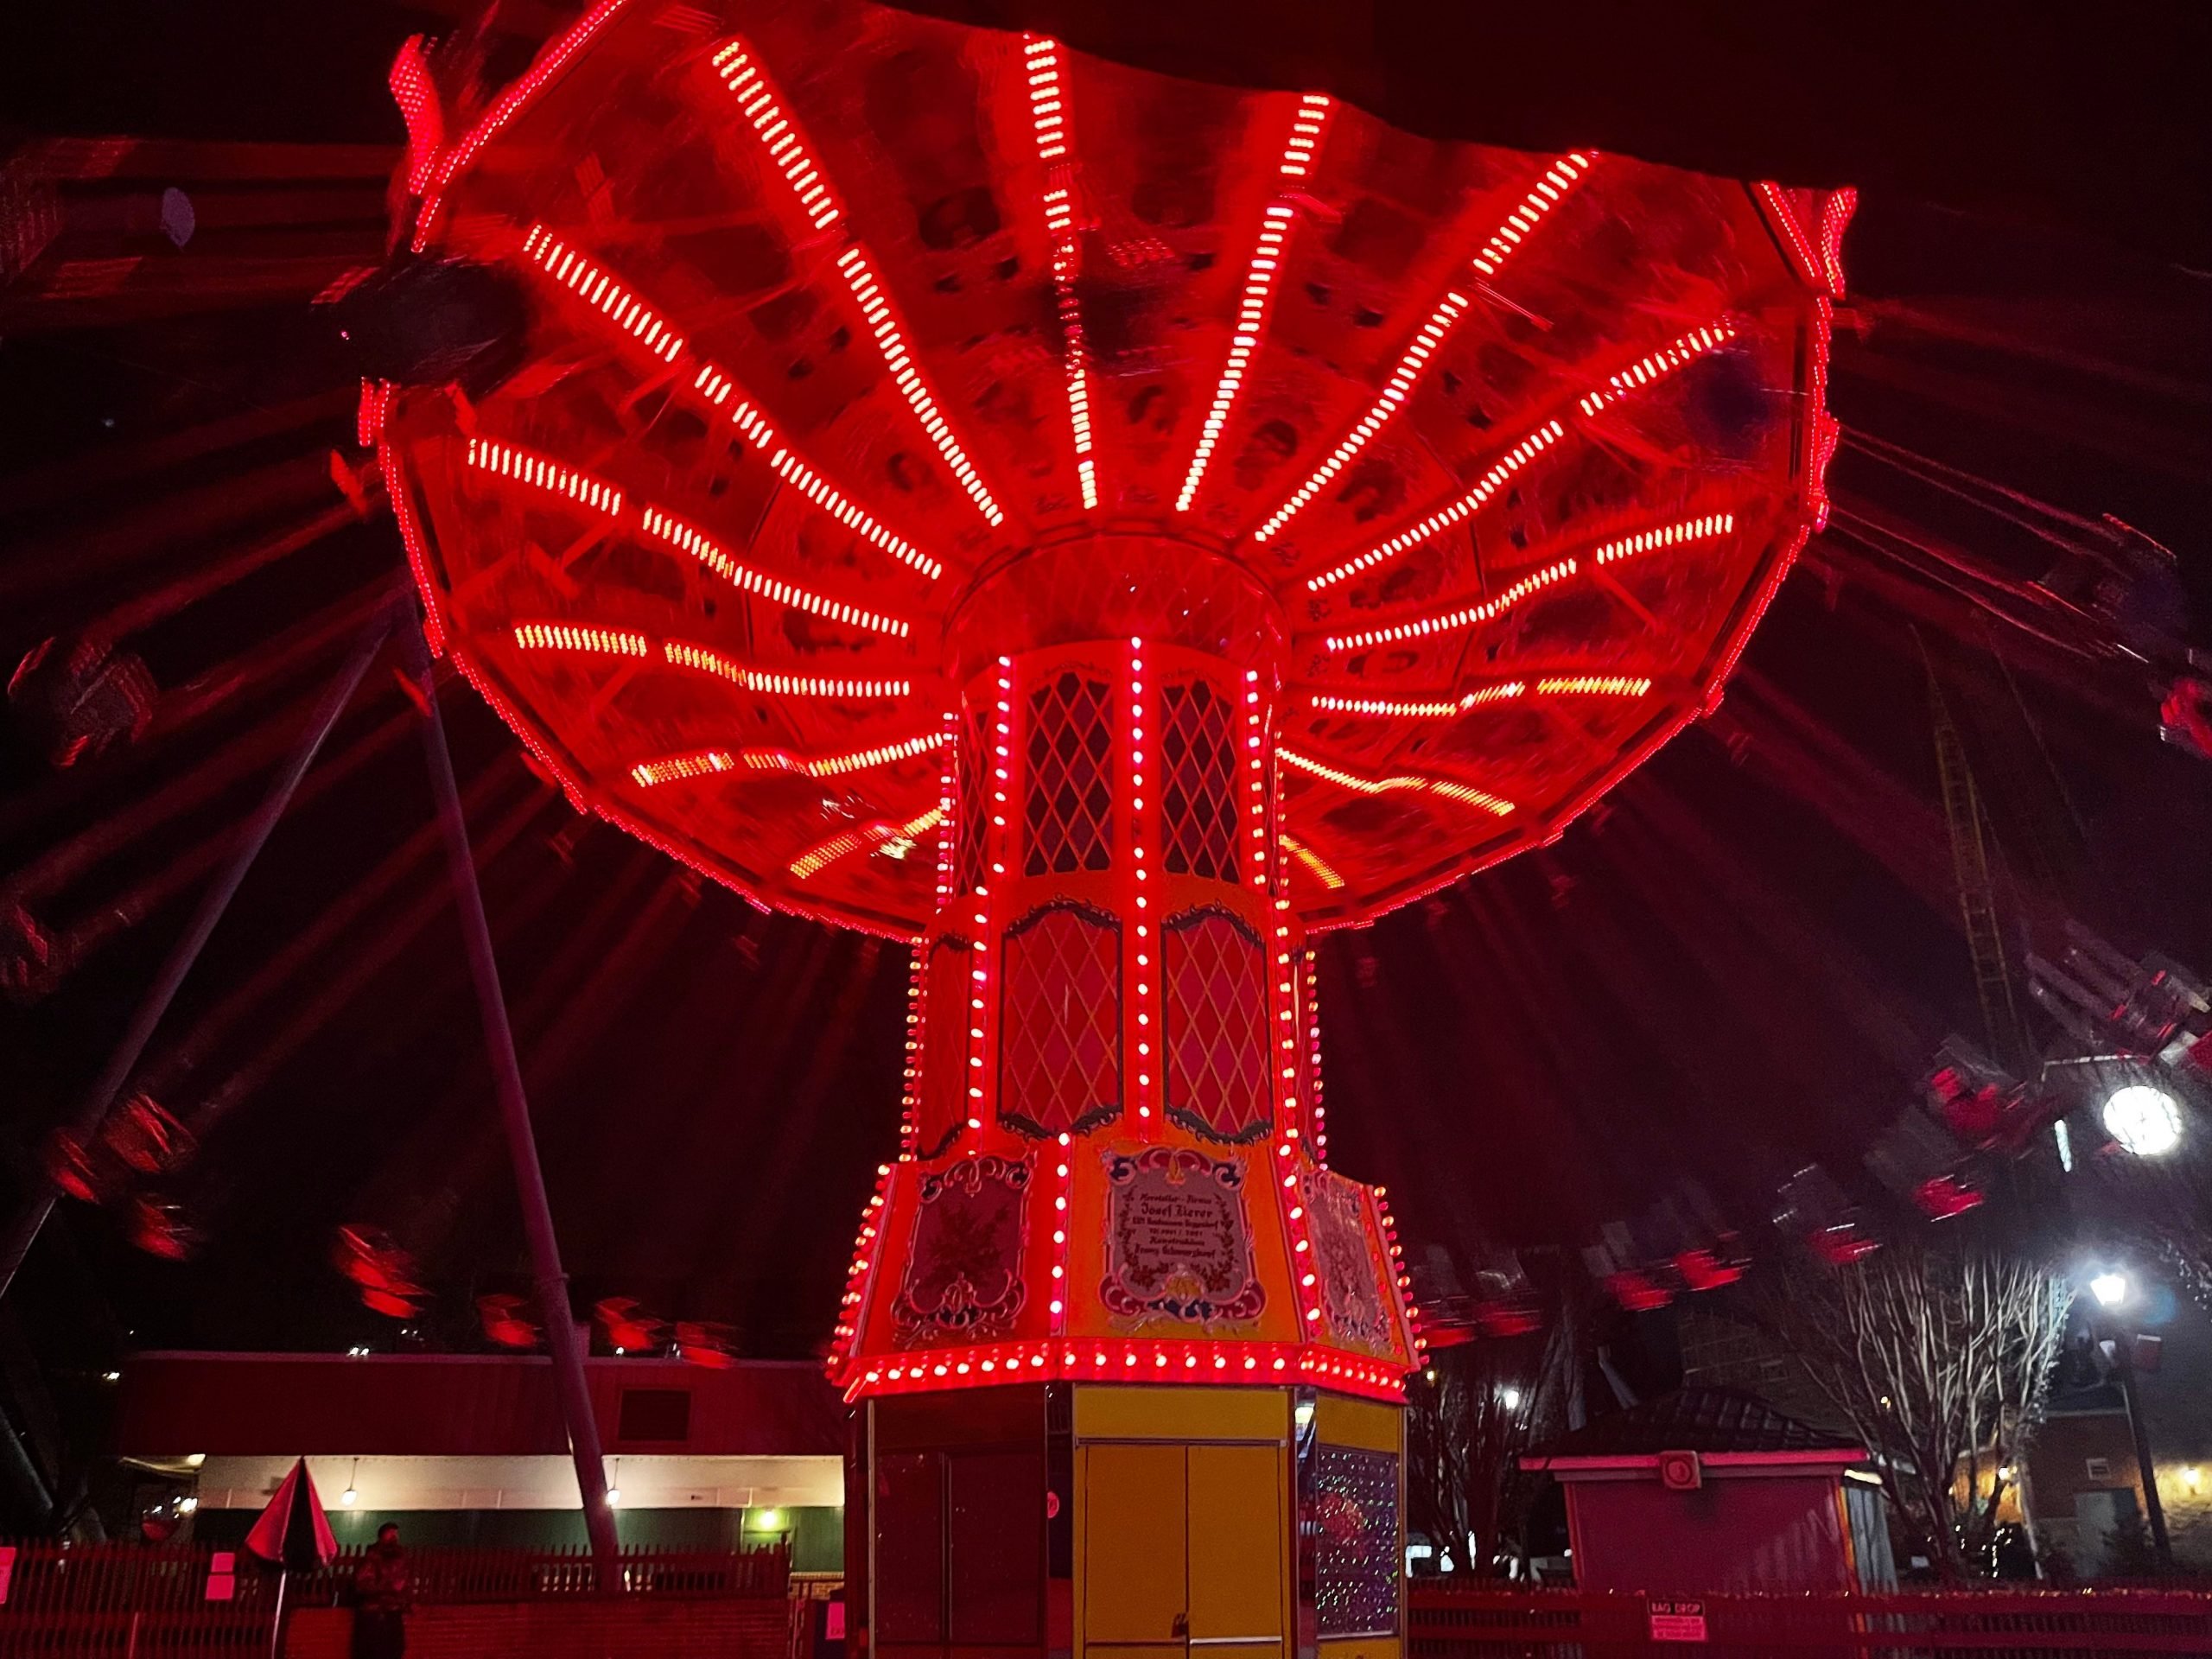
2144	1120
1101	530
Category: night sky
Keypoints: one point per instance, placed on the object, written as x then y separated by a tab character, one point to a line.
1739	965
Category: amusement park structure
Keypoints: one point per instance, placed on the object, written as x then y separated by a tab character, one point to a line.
1101	530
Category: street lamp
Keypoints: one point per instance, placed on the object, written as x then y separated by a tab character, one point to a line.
2144	1119
2113	1289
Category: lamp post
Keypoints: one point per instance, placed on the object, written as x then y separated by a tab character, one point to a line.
2112	1290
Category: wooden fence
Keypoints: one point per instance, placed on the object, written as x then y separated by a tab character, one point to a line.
1499	1621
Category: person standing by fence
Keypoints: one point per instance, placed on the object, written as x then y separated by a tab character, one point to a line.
383	1596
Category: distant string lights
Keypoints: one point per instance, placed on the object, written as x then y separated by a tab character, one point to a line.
1300	149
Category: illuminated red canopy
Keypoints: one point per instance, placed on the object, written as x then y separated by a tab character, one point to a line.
837	312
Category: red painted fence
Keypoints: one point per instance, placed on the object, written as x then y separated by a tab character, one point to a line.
1498	1622
132	1599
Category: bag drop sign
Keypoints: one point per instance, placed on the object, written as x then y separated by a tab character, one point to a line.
1673	1619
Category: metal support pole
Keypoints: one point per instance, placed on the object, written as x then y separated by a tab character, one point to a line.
2153	1507
37	1204
552	1284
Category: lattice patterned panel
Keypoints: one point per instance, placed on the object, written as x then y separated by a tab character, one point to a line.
1070	808
1198	805
1060	1012
941	1107
1215	1015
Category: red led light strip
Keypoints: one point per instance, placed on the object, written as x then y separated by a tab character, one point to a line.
1461	618
1689	530
705	763
706	660
1080	1357
778	133
568	636
1396	708
525	468
1313	1051
1321	869
1398	1267
392	470
1450	788
372	412
836	765
817	858
1594	685
1056	1310
1678	354
1550	191
775	130
891	342
621	306
1140	849
1286	1024
595	288
1048	116
1465	507
1703	528
1255	771
995	840
865	1245
667	528
717	388
1784	218
509	104
1268	255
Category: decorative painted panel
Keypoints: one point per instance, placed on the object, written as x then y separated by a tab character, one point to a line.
963	1268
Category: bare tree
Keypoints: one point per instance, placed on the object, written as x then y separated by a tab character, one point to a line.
1477	1410
1941	1358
